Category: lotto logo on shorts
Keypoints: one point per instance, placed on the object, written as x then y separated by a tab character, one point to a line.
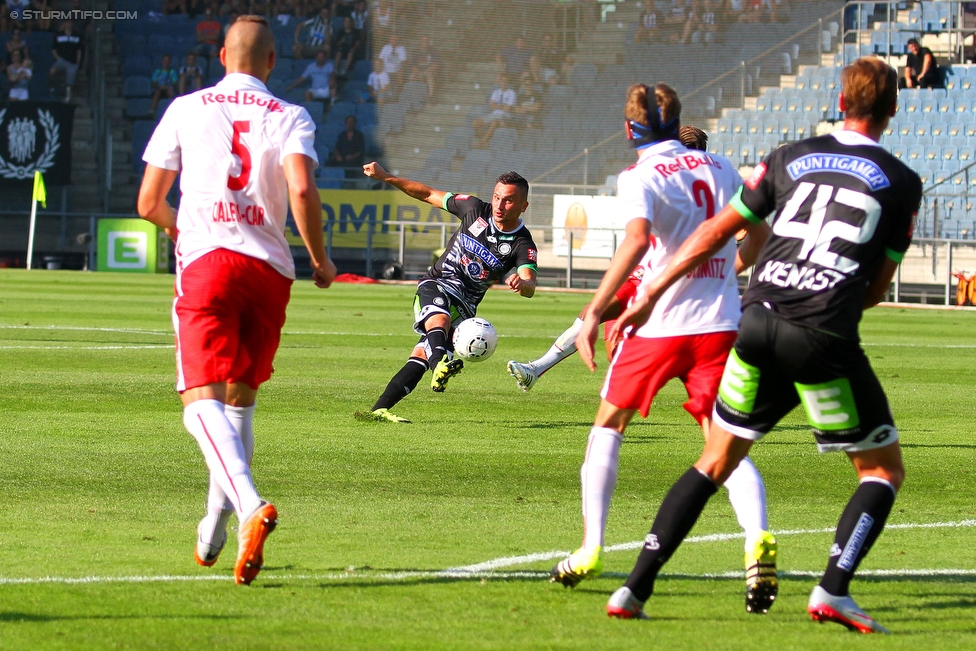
127	250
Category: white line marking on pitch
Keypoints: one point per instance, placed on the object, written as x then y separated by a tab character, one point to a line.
509	561
484	570
106	347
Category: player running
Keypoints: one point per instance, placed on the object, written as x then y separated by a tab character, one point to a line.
243	155
671	189
528	373
843	214
490	243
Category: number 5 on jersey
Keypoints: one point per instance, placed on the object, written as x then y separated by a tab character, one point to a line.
239	149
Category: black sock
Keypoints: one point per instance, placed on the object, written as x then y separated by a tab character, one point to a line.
860	525
436	345
678	513
402	383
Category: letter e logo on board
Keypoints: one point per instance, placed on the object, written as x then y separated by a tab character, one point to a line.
127	250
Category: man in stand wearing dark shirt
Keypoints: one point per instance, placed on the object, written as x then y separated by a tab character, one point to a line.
67	58
349	147
921	69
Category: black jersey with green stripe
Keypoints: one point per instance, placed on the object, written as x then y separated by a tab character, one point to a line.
479	254
842	205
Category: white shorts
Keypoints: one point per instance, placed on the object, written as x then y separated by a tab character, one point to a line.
18	93
320	93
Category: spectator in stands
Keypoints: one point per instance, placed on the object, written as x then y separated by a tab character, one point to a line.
514	59
527	111
285	12
393	55
346	46
164	80
921	69
779	11
260	8
313	35
500	106
43	24
67	58
19	74
174	7
534	76
753	12
17	44
228	6
378	84
700	26
550	60
342	8
209	33
425	65
191	75
383	18
84	25
350	146
321	73
14	10
360	16
647	25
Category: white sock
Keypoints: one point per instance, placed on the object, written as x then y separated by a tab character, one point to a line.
563	347
598	476
213	528
242	420
748	496
222	448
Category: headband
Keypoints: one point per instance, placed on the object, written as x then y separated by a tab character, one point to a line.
644	135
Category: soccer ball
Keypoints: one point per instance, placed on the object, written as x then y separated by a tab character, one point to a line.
475	340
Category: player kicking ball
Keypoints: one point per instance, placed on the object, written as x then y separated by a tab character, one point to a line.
243	155
672	189
490	243
843	213
526	374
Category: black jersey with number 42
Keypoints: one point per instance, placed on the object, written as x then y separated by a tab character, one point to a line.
479	254
843	204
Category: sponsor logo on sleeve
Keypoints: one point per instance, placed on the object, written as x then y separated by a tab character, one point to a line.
462	197
757	175
533	255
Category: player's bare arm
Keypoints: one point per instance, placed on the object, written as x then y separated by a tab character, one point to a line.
152	205
750	246
414	189
306	206
523	282
631	251
879	285
710	236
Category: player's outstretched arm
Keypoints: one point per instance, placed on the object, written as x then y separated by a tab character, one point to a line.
152	205
710	236
306	206
629	253
413	188
523	282
751	245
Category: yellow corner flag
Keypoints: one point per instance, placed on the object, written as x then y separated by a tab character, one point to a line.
40	192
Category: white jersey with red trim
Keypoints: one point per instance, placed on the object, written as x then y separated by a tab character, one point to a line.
676	189
229	143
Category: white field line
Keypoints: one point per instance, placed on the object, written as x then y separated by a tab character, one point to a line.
106	347
134	331
509	561
404	575
486	570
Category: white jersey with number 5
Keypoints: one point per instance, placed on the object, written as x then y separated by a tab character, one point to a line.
229	143
676	189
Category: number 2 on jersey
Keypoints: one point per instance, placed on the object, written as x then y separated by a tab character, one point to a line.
239	149
703	197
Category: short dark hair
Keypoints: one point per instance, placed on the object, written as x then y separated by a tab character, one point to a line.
912	41
514	178
693	137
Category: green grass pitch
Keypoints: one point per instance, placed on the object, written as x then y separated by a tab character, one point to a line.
103	489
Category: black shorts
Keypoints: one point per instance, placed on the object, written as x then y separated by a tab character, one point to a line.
432	299
777	365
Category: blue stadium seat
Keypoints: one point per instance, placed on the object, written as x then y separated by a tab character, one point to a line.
160	44
136	66
161	108
132	45
361	70
354	91
366	113
139	86
138	108
315	110
342	110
